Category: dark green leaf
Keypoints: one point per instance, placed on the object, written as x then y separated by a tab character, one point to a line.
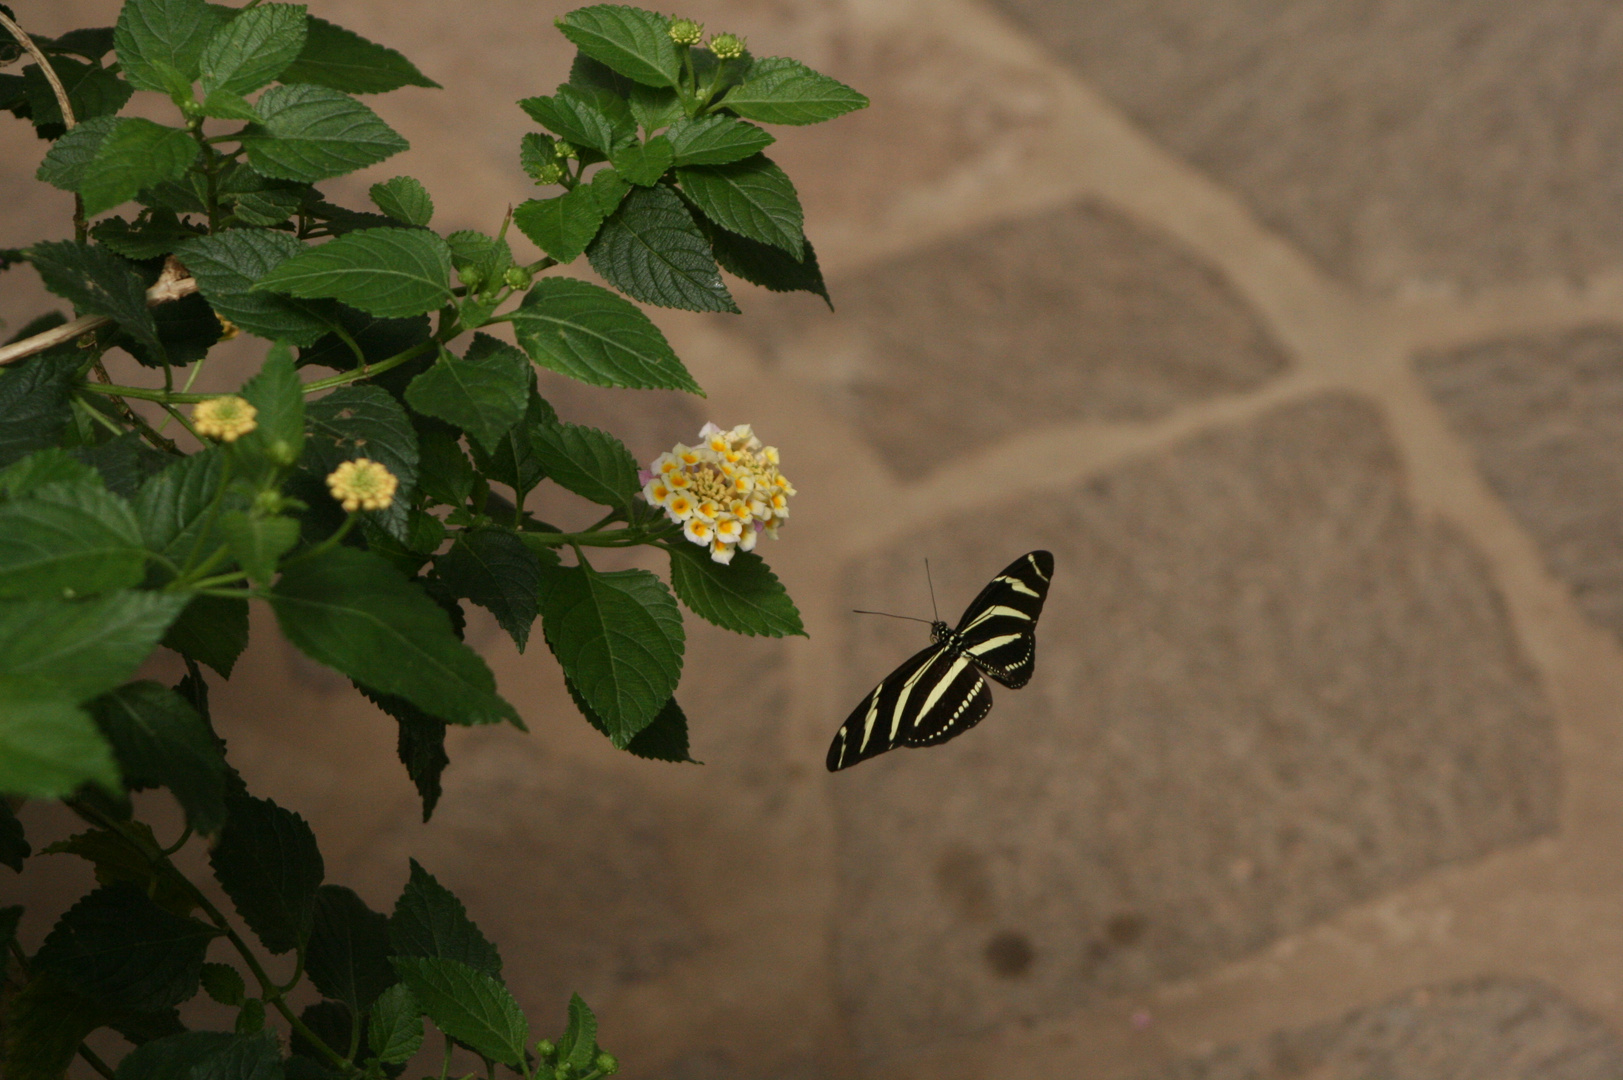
147	239
160	42
45	1023
206	1055
118	948
784	91
160	741
213	630
589	118
92	43
664	739
563	225
387	272
270	207
93	91
310	133
467	1005
224	984
379	339
591	463
752	198
486	256
258	542
343	60
578	1046
428	921
396	1030
176	506
365	422
116	859
653	107
497	571
404	199
44	469
536	152
277	396
68	158
228	106
618	637
253	48
97	282
588	333
228	264
484	394
135	155
515	461
69	540
187	329
420	746
348	609
743	596
644	163
651	249
348	958
715	140
329	1022
49	746
609	188
124	463
267	861
34	402
14	847
444	473
634	42
767	266
79	649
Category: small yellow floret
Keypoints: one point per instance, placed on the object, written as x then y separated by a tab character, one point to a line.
225	418
362	484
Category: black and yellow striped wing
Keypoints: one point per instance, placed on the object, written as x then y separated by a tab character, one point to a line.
999	628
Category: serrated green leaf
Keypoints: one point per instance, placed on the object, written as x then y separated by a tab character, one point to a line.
593	464
45	1023
654	107
253	48
385	272
81	648
97	282
634	42
349	610
365	422
715	140
156	236
42	469
484	394
73	539
618	636
767	266
257	543
396	1029
664	739
486	256
536	152
609	189
377	338
93	92
34	402
124	463
225	105
784	91
586	117
561	226
404	199
467	1005
160	42
348	957
428	921
514	460
266	208
588	333
444	473
311	133
267	861
68	158
115	859
92	43
496	570
119	948
175	506
224	984
753	198
652	250
743	596
49	746
578	1046
228	264
343	60
277	396
160	741
213	630
187	329
420	746
206	1055
14	846
644	163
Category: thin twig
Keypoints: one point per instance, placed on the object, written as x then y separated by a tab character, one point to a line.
165	290
57	88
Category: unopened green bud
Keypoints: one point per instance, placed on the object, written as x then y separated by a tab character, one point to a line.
550	173
727	46
686	31
545	1048
268	502
517	277
562	1070
470	276
606	1064
567	150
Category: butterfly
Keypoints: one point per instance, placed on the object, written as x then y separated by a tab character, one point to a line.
939	694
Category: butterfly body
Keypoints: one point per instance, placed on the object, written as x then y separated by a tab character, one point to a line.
940	692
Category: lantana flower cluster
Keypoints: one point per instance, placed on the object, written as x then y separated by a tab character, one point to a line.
725	492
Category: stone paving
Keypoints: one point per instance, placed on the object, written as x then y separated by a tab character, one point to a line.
1295	329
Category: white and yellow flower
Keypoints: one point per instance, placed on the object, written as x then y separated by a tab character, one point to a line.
726	492
362	484
225	418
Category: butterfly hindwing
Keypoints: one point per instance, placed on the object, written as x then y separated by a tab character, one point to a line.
877	723
998	629
958	700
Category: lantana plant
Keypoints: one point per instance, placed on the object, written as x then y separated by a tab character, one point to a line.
370	480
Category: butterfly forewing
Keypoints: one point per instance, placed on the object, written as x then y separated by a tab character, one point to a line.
879	722
998	629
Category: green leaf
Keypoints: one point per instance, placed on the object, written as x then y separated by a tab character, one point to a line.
158	235
484	395
42	469
116	859
160	741
715	140
634	42
644	163
160	42
69	540
343	60
618	637
224	984
743	596
93	92
561	226
34	402
268	208
277	396
348	958
45	1023
784	91
14	847
535	152
206	1055
267	861
124	463
225	105
97	282
176	506
404	199
653	107
386	272
486	256
378	339
429	921
420	746
68	158
467	1005
187	330
365	422
396	1030
257	543
497	571
228	264
311	133
349	610
578	1046
664	739
49	746
79	649
767	266
591	463
253	48
514	460
120	949
651	250
213	630
588	333
609	188
752	198
589	118
444	473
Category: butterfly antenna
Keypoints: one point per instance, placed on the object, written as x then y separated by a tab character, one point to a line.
888	615
930	583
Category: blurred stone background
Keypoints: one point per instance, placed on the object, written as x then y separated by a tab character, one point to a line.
1295	329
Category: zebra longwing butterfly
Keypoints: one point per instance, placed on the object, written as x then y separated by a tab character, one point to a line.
939	693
